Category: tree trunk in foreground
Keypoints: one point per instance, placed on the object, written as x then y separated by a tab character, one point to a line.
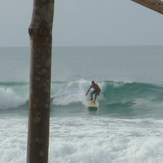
40	32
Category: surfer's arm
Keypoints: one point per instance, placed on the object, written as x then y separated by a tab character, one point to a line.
88	90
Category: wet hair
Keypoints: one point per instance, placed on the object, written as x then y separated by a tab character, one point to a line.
93	82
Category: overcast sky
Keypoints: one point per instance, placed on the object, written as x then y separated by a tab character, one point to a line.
84	23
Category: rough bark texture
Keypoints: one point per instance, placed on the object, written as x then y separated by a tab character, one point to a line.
40	32
156	5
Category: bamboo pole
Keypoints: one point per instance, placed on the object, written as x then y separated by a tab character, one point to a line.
40	32
156	5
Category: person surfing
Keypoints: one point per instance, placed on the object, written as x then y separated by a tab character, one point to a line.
96	91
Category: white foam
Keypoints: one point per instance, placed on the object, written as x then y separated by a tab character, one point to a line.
104	140
72	92
13	140
88	140
10	99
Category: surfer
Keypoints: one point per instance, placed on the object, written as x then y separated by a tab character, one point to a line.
95	92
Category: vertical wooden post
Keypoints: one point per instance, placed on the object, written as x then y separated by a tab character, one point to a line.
40	32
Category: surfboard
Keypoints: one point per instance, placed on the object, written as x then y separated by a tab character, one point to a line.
92	106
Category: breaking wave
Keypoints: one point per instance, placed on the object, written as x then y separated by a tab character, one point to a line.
116	97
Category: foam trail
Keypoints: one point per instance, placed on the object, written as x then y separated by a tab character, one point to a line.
71	92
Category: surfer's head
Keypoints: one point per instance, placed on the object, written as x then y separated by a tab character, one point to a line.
93	82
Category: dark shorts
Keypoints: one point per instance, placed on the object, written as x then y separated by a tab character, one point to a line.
95	92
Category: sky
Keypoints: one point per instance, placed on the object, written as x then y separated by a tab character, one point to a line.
84	23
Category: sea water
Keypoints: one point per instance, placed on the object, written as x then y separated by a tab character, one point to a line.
126	128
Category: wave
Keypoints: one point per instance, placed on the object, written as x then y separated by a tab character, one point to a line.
13	95
69	92
115	96
132	91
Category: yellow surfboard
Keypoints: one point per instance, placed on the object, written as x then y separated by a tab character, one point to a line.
92	106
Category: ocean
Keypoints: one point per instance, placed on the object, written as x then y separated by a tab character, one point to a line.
126	128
